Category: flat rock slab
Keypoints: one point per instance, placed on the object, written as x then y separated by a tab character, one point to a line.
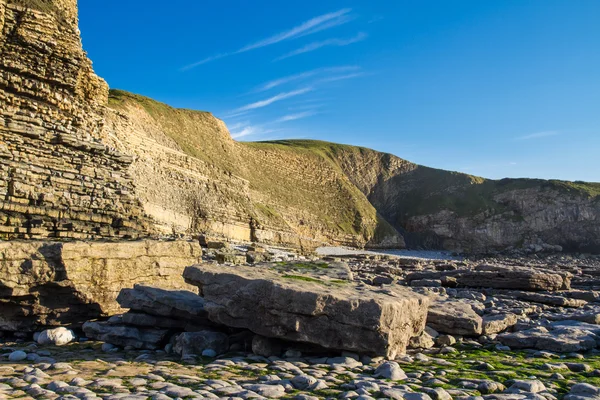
336	316
176	304
123	335
454	317
499	277
560	340
543	298
497	323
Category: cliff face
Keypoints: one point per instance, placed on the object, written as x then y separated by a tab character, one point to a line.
441	209
78	163
57	178
192	177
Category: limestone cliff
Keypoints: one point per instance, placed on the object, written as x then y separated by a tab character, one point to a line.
57	178
192	177
441	209
77	162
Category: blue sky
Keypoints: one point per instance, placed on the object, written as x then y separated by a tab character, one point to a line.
506	88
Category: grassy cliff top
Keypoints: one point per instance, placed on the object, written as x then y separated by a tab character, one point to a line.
45	6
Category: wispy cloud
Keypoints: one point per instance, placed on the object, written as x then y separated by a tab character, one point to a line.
309	106
304	75
539	135
309	27
239	131
313	25
325	43
294	117
340	77
274	99
236	114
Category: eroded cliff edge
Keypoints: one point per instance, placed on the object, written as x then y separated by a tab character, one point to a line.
79	163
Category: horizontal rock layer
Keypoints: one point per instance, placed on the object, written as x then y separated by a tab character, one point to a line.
57	179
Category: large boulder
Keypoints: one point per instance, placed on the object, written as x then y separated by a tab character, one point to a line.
298	308
177	304
57	337
454	317
46	284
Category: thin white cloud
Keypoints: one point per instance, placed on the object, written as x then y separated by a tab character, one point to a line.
274	99
243	130
539	135
246	131
303	75
340	77
294	117
313	25
325	43
309	27
309	106
236	114
204	61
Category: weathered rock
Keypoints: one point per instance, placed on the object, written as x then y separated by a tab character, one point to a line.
390	370
52	284
544	298
519	278
581	391
57	337
336	316
423	341
454	317
500	277
497	323
123	335
561	340
195	343
147	320
58	180
527	386
178	304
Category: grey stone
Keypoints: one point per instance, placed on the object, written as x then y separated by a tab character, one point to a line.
454	317
194	343
390	370
560	340
265	347
177	304
17	355
57	337
497	323
121	335
341	317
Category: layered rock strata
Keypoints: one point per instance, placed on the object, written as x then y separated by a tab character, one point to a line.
57	178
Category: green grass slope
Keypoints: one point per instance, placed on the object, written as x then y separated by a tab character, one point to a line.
291	187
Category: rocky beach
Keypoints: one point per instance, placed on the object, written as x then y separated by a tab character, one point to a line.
494	328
